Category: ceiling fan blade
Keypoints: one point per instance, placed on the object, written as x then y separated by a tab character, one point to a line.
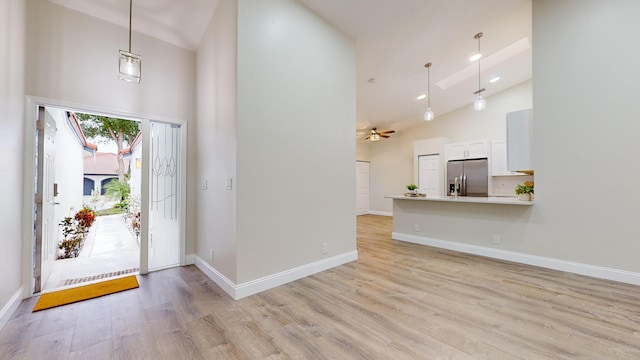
367	138
387	132
385	136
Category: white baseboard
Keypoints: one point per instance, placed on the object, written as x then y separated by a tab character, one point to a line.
541	261
190	259
227	285
10	307
253	287
381	213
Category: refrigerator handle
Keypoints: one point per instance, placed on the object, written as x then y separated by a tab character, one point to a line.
461	188
464	184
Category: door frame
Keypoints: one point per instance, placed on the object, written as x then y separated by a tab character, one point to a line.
29	172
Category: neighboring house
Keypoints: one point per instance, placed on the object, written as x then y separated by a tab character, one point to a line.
134	156
70	147
99	169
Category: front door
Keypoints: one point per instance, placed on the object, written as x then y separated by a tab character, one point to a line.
46	228
164	197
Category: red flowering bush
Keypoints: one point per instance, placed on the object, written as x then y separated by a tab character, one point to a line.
85	218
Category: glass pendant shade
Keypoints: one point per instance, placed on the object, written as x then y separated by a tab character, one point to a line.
374	137
480	104
428	115
130	66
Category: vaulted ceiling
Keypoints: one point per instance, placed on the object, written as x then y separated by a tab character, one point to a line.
394	39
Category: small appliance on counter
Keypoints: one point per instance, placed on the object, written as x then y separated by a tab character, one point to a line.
468	177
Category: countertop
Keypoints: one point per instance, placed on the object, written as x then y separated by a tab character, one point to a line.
465	199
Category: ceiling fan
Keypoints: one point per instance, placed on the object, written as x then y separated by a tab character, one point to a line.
375	135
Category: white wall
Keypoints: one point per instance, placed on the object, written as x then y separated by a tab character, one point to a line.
363	150
12	40
392	165
296	152
73	57
214	135
585	132
68	172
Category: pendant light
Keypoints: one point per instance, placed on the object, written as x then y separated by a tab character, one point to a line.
480	104
428	115
129	64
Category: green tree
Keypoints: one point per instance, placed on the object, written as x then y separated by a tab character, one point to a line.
118	130
118	190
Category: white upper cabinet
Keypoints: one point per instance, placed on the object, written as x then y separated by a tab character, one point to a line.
519	124
499	159
467	150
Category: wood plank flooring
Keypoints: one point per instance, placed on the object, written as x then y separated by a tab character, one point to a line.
398	301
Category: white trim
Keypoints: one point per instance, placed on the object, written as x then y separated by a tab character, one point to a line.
541	261
10	307
190	259
381	213
271	281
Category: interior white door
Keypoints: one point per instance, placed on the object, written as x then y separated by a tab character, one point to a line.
362	187
46	228
429	174
164	196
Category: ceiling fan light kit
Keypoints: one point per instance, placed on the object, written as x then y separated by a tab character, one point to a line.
129	64
375	135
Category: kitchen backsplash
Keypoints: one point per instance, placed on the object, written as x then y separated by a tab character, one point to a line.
506	185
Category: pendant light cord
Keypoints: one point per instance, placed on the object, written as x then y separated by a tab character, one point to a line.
429	86
130	15
478	36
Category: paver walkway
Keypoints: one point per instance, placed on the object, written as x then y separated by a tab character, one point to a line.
110	249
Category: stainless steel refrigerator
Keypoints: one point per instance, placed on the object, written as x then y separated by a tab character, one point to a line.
472	177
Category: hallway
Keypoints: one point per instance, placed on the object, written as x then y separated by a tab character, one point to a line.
110	250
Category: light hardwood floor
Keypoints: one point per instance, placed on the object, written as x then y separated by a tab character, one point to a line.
398	301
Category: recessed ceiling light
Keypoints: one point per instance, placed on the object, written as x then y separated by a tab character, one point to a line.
475	57
422	96
494	79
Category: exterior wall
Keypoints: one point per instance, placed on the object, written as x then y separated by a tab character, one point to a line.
68	172
135	181
12	69
213	219
295	186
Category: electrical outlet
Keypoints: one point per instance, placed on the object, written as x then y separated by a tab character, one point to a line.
416	227
204	185
496	239
211	254
325	248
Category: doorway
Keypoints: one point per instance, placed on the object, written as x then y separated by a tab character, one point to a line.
362	187
162	204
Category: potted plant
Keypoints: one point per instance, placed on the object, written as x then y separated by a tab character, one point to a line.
413	188
525	191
